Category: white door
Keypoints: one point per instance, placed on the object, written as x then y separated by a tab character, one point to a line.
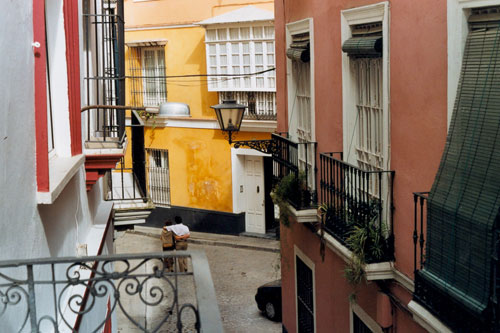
254	195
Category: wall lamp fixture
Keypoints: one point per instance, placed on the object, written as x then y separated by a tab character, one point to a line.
230	116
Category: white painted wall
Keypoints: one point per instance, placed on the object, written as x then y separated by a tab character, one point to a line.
28	230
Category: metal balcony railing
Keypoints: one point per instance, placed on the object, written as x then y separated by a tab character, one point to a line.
355	198
287	161
419	229
124	184
260	105
67	294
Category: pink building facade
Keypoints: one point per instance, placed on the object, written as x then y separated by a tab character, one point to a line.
373	85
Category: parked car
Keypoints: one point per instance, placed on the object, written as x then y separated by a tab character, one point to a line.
268	299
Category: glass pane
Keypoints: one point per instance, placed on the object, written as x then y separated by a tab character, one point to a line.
259	59
223	60
213	61
258	47
222	49
257	32
245	33
222	34
234	33
260	82
211	49
270	59
246	48
246	59
236	59
269	32
236	69
211	35
235	48
270	47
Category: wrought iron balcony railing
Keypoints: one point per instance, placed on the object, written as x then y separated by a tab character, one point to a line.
71	294
297	159
438	301
260	105
357	200
104	125
124	184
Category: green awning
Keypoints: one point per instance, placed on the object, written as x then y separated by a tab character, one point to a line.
299	48
363	47
465	198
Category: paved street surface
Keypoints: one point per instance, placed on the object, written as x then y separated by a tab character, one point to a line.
238	266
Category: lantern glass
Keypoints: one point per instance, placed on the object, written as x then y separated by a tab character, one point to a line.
229	115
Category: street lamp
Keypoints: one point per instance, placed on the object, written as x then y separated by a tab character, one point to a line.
230	115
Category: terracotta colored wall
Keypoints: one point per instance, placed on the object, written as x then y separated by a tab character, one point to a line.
173	12
332	290
418	115
418	109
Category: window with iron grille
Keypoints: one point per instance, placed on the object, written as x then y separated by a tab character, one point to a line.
260	104
154	81
305	296
301	108
366	134
158	176
147	71
241	51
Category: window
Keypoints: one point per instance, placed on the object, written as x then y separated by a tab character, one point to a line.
365	64
159	176
305	296
260	105
366	70
154	81
300	93
241	51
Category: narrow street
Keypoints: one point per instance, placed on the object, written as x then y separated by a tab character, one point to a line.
237	271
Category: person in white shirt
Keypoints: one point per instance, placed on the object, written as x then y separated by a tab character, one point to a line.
181	234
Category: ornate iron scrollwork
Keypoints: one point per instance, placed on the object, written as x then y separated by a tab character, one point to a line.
264	146
72	288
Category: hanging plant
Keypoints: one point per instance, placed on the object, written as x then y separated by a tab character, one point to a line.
366	241
290	189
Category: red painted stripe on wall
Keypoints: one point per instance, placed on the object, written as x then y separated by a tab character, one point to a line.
40	85
70	9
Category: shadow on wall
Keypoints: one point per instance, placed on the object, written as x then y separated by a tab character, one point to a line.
200	220
59	218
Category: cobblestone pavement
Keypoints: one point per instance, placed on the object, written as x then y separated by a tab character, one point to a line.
236	272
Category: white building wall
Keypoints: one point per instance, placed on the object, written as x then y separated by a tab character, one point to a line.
29	230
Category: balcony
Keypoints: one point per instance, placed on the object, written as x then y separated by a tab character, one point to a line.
85	293
293	163
435	308
356	203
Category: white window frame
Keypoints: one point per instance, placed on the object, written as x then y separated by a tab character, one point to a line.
458	12
363	316
361	15
58	79
294	28
309	263
157	84
238	84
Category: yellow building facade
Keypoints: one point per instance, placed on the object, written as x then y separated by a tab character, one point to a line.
189	162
